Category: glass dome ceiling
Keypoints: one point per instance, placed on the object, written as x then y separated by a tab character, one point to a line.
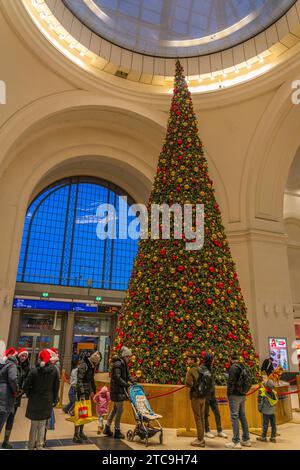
177	28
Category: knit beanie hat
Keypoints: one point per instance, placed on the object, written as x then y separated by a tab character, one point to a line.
125	352
95	358
44	357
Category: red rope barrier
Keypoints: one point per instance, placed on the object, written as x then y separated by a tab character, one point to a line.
167	393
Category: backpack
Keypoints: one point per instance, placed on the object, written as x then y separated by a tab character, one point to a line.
204	385
244	381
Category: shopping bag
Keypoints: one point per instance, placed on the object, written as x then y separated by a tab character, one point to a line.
51	422
82	413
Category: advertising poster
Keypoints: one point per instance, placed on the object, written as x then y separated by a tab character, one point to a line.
279	353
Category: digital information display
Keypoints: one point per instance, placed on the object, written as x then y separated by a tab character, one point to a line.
33	304
279	353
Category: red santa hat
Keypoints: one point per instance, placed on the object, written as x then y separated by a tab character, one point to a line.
53	354
44	357
9	352
23	352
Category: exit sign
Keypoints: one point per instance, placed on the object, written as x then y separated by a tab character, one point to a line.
98	299
45	294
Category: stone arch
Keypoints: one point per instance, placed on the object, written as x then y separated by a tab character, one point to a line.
269	159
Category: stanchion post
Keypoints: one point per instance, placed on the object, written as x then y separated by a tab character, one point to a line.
61	389
187	431
298	388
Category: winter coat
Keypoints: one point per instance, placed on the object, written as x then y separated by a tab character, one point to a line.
191	379
102	399
41	388
85	379
119	380
8	384
267	401
23	371
233	379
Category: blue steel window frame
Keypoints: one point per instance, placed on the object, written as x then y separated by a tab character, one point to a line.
117	255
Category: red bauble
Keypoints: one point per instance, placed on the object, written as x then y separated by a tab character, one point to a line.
227	365
172	314
216	328
221	285
178	113
189	335
190	284
209	301
180	268
212	269
179	141
162	252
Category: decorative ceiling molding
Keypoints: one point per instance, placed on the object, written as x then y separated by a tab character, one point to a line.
207	73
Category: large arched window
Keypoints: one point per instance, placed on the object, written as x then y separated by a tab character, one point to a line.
60	243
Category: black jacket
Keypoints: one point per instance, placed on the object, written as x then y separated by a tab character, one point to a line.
8	385
233	378
23	371
41	388
85	379
119	379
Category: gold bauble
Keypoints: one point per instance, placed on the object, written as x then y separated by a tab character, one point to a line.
179	180
187	317
160	321
191	259
133	359
147	290
173	295
172	270
138	373
186	186
166	352
198	322
155	258
175	339
184	288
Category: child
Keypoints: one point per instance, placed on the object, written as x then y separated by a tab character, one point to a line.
102	399
267	399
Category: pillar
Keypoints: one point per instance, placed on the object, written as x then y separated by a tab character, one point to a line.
262	265
14	328
68	349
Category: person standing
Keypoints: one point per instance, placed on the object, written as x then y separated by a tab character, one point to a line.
199	381
236	392
86	387
102	399
23	368
8	384
119	384
72	391
267	401
41	388
211	402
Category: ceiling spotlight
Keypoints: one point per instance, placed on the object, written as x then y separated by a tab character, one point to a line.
249	66
224	73
42	15
261	60
72	46
61	36
82	53
236	70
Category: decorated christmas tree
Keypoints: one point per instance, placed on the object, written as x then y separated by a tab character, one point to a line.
179	300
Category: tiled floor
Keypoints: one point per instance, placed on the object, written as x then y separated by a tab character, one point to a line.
61	438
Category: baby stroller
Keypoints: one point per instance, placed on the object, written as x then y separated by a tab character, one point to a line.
144	416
